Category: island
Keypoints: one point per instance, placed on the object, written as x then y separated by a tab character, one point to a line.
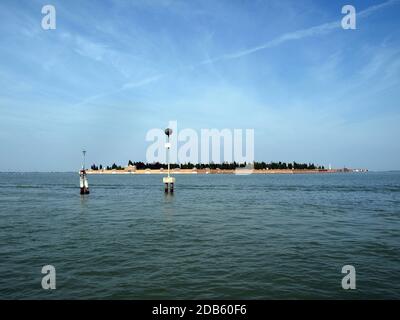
222	168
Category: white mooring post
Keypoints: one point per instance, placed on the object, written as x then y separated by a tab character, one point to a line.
83	181
168	181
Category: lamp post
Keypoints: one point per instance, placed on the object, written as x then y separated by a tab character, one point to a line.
168	181
84	159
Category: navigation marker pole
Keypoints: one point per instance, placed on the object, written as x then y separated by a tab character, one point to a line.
168	181
84	159
83	181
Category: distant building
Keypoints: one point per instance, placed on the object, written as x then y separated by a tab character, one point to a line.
131	168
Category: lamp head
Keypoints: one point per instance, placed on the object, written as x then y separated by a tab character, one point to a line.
168	131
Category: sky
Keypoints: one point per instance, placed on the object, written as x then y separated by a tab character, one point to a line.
114	69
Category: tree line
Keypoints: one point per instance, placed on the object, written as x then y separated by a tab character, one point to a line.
223	166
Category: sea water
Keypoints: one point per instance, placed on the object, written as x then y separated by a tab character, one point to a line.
217	237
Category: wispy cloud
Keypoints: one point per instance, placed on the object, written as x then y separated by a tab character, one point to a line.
372	9
143	82
126	86
97	52
299	34
90	49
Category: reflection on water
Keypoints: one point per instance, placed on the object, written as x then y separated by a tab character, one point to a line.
168	207
84	201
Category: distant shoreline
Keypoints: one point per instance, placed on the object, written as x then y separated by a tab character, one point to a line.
184	171
239	171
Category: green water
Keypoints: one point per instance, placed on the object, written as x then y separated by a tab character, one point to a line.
216	237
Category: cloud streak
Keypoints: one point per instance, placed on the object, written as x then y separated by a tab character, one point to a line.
290	36
299	34
141	83
126	86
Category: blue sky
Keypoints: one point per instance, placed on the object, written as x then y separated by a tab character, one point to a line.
112	70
